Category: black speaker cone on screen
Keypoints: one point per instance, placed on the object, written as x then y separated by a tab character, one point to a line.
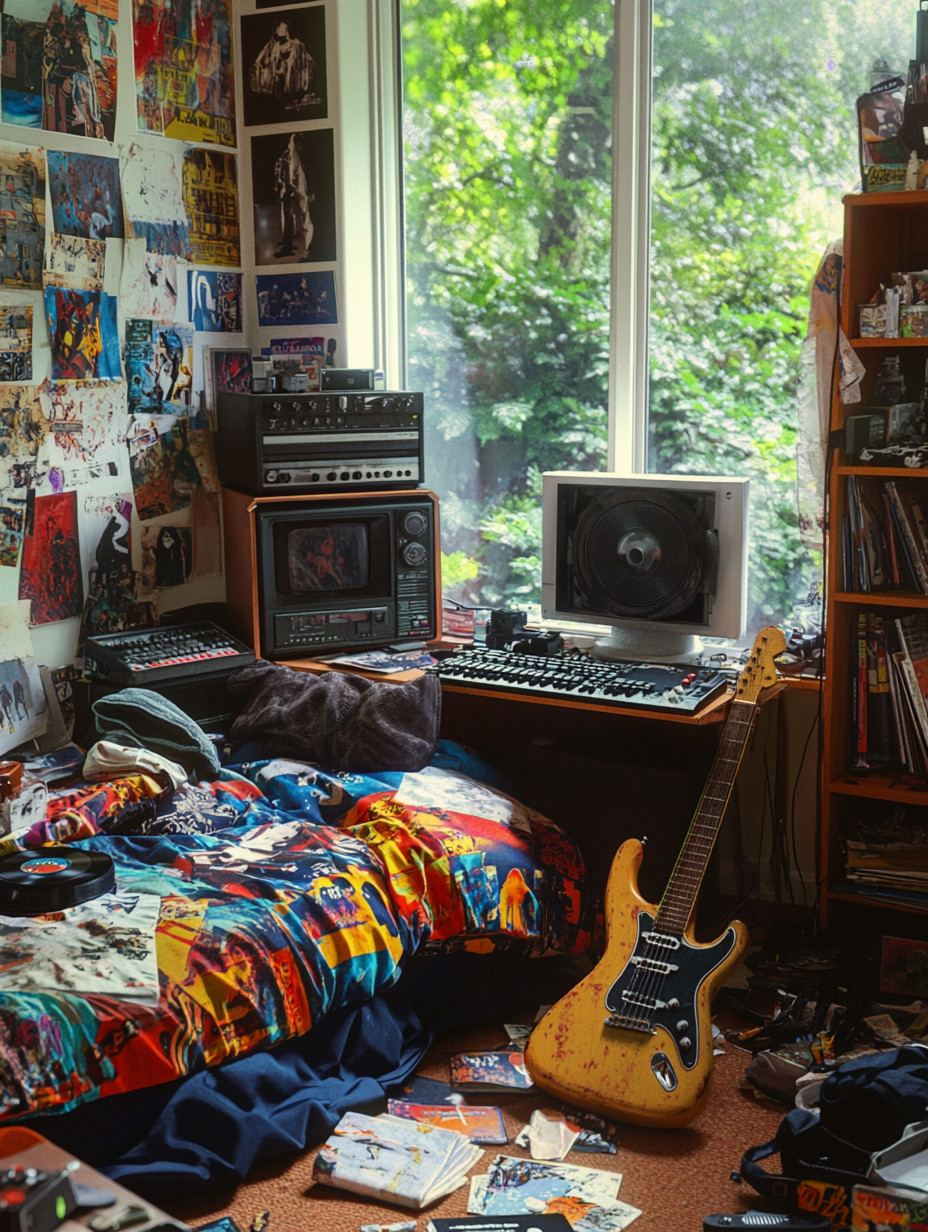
639	553
53	878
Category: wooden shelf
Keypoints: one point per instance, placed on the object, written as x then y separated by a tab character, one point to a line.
882	598
890	200
892	343
889	472
897	787
806	684
875	900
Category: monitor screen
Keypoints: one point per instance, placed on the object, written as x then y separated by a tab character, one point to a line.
335	557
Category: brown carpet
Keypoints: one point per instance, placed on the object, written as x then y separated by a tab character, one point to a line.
674	1176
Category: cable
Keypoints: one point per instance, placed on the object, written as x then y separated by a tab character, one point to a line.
792	809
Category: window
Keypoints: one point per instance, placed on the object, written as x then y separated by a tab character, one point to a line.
508	165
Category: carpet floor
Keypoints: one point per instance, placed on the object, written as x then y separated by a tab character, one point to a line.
674	1177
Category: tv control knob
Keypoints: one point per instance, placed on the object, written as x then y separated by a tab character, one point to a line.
283	477
314	478
296	406
414	524
271	476
414	555
682	1025
356	475
276	408
686	1044
344	475
331	476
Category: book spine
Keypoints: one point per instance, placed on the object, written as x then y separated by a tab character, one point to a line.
908	534
916	698
879	704
898	718
894	573
368	1191
859	759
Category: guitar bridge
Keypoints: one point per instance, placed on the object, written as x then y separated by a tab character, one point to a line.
623	1022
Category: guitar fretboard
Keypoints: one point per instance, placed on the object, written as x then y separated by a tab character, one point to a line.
680	895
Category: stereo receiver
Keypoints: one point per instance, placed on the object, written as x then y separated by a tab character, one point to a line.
290	444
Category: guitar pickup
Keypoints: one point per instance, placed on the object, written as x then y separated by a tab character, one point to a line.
629	1024
645	1003
654	964
665	940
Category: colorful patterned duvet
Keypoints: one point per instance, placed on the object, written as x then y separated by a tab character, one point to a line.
287	894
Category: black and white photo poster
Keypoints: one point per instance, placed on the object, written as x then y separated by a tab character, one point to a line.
283	61
293	186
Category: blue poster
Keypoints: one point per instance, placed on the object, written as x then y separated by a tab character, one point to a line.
297	299
84	335
215	301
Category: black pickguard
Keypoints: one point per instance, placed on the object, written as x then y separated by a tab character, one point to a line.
693	965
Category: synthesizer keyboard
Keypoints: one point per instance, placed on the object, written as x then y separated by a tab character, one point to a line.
575	677
144	657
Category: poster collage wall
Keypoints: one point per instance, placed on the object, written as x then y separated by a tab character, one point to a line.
135	254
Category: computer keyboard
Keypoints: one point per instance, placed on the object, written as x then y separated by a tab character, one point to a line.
575	677
172	652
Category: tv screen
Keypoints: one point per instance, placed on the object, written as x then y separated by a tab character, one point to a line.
335	557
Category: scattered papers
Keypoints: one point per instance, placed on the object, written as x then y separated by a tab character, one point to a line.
394	1160
494	1223
549	1135
488	1071
483	1125
522	1186
517	1030
596	1136
384	664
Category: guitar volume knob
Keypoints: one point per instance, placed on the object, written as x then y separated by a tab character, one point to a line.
682	1024
673	1004
685	1043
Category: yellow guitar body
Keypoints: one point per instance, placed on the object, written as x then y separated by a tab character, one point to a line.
613	1071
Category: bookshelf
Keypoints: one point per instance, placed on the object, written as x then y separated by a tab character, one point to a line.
883	233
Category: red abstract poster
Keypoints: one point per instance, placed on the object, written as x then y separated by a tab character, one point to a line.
51	563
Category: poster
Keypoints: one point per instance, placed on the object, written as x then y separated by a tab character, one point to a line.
106	520
215	301
51	574
283	60
59	66
24	428
148	286
167	556
229	370
296	299
88	425
22	215
85	195
297	355
16	343
11	535
211	203
169	456
71	261
293	187
84	337
159	367
23	708
183	69
153	200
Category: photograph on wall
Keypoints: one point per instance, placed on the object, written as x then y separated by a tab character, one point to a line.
107	520
22	215
16	343
211	204
215	301
23	708
184	82
167	556
50	574
148	283
228	371
11	535
153	200
293	187
159	367
85	195
296	299
283	61
88	424
84	335
169	456
58	70
71	261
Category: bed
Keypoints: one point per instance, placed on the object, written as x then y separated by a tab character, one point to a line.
288	893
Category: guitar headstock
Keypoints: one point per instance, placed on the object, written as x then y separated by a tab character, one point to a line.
760	671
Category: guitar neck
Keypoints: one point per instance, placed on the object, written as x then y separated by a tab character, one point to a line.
680	896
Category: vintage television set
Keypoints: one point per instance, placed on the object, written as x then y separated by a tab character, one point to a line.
662	559
315	575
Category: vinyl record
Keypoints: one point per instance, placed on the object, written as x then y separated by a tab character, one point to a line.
52	878
639	553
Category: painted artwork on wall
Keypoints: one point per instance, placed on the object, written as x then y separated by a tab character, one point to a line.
159	367
11	535
85	195
211	202
75	262
148	284
88	424
169	456
153	200
293	187
22	215
297	299
283	62
50	574
84	335
184	81
215	301
167	556
16	343
59	66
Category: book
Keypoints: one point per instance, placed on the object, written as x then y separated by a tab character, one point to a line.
900	493
519	1186
394	1160
490	1070
500	1223
483	1125
881	749
859	694
873	533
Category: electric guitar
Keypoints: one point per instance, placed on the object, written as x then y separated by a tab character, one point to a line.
633	1039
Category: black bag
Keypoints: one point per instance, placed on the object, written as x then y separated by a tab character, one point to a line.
863	1107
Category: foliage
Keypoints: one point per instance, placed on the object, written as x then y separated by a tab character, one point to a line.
508	167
